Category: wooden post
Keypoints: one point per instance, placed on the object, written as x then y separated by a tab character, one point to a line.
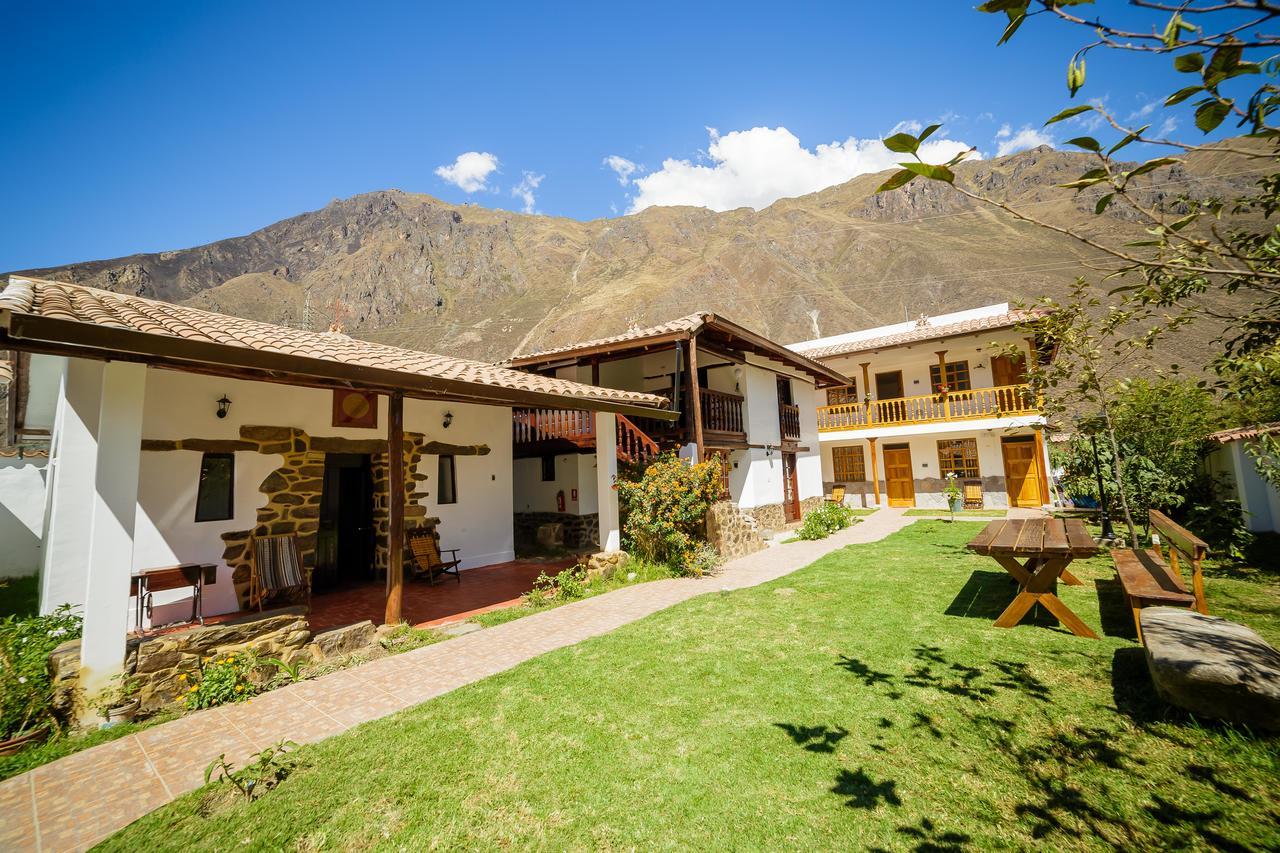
595	372
395	507
866	381
695	395
942	367
875	470
1042	463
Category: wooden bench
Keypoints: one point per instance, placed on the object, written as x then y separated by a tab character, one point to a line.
1148	579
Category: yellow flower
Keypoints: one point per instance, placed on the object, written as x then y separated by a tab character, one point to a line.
182	676
193	689
239	688
206	660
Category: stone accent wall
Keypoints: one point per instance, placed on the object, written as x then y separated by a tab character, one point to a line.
733	531
294	489
580	531
156	662
769	517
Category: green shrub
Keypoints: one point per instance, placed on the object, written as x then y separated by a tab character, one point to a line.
664	512
222	680
703	559
825	520
567	585
25	687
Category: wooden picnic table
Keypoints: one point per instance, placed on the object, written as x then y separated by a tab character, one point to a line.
1037	552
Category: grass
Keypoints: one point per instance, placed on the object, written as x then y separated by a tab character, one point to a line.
963	513
19	596
643	570
863	702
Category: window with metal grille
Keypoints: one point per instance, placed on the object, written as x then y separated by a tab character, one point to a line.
845	394
216	491
959	456
848	464
957	376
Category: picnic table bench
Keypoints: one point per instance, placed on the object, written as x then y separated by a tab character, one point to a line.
1036	553
1148	579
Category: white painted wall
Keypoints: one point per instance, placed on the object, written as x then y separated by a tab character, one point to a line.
574	472
1259	500
22	500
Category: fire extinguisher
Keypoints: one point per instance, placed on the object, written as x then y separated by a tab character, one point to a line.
560	501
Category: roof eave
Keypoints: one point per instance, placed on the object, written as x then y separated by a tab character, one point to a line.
33	333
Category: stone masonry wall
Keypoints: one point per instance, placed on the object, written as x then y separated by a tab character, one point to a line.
580	531
733	531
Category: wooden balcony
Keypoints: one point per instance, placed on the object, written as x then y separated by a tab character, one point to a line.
789	420
930	408
722	416
539	431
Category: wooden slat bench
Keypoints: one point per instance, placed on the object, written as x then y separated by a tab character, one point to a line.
1149	580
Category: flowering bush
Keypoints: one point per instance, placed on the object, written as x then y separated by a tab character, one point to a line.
664	512
25	686
221	680
568	585
825	520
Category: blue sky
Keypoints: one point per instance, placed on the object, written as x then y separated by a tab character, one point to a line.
136	127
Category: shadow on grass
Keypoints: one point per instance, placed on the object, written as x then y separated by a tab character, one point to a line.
985	595
929	838
1113	611
815	738
863	792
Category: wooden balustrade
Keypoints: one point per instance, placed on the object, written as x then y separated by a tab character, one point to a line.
789	420
578	427
721	411
930	408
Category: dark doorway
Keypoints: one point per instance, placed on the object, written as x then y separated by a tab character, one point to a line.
889	385
344	547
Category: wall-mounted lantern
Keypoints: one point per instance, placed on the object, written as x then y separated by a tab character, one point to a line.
223	405
448	419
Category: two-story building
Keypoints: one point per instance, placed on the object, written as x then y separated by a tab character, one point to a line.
929	397
743	399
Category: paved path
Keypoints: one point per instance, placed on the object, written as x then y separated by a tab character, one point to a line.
77	801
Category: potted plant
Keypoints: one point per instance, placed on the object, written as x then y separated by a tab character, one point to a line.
119	703
954	494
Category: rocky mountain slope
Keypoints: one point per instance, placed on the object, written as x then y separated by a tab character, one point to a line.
412	270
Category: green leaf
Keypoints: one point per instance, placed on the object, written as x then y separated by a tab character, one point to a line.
1007	6
902	143
927	132
898	179
1088	143
1181	95
1068	113
936	173
1015	21
1103	202
1211	113
1088	179
1151	166
1223	61
1128	138
1184	222
1188	62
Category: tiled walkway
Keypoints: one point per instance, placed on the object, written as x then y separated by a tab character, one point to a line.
79	800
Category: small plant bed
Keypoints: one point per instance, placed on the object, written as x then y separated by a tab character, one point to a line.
942	511
825	520
553	592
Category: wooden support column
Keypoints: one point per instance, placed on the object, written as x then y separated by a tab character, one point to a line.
942	367
395	508
875	470
695	394
595	372
866	380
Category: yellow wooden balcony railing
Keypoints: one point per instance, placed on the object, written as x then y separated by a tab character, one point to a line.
930	408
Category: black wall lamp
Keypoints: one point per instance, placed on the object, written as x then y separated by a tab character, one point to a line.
223	405
448	419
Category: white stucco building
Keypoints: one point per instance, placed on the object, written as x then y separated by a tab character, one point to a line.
1231	466
933	396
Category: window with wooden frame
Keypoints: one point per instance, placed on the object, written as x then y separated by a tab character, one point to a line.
848	464
842	395
549	468
216	491
957	376
447	478
959	456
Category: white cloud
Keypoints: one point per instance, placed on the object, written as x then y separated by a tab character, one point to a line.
1143	111
756	167
1168	126
1008	141
909	126
622	167
470	171
524	190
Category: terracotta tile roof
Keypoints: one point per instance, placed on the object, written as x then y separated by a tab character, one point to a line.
52	300
925	333
1238	433
688	324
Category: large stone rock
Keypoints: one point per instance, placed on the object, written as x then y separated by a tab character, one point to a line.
64	676
551	535
341	642
607	563
1212	667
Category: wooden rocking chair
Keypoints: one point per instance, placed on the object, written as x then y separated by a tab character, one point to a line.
275	566
425	548
837	494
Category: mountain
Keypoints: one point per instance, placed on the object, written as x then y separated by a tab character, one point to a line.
412	270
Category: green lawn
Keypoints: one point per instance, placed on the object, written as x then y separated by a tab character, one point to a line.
863	702
964	513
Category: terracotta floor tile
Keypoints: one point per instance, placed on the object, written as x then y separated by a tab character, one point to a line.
180	751
17	816
277	716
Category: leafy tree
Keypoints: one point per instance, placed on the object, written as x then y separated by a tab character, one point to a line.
1195	247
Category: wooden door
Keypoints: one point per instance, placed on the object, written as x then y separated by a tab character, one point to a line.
790	488
1022	472
898	478
1006	371
889	385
